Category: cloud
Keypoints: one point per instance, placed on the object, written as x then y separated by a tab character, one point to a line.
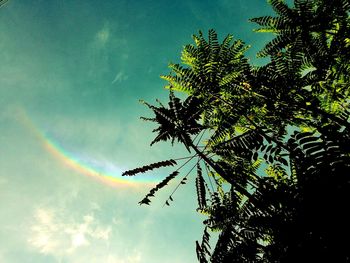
121	76
135	257
107	51
54	233
44	232
58	234
102	36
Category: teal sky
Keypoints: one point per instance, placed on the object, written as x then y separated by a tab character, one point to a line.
73	72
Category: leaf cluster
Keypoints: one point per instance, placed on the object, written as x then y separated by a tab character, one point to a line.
149	167
276	150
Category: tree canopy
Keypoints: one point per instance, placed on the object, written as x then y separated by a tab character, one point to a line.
272	142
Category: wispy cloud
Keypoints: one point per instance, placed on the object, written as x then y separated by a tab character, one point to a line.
102	36
55	234
121	76
135	257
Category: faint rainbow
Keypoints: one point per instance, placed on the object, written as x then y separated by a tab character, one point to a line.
70	161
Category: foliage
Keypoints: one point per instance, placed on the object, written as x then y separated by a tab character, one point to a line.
149	167
277	146
2	2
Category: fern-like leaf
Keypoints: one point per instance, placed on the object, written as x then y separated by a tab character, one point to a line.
149	167
203	249
159	186
200	187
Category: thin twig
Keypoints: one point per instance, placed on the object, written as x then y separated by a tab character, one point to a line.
206	168
178	185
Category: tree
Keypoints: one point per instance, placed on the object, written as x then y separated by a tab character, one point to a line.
277	148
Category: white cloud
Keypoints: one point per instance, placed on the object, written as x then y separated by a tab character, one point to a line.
135	257
44	232
121	76
95	206
57	234
102	36
85	240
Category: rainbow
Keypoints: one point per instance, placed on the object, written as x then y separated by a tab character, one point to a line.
111	177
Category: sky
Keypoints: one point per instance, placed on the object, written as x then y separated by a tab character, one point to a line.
72	74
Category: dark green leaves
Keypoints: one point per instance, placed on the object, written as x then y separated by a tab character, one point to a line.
178	121
277	136
203	249
149	167
159	186
200	187
240	144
